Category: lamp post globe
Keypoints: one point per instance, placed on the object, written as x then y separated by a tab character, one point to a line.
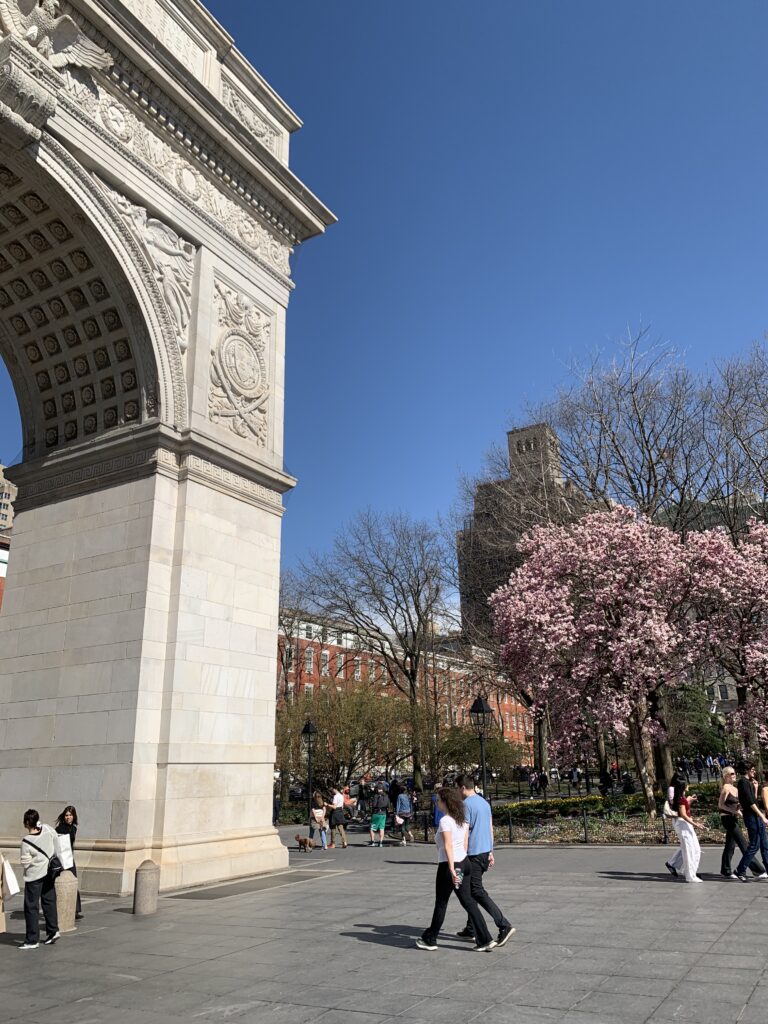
307	734
481	716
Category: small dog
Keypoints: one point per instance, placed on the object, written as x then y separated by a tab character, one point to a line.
305	845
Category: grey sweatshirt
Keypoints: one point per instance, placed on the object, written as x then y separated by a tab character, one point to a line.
34	864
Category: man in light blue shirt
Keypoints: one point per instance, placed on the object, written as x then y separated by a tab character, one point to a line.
480	853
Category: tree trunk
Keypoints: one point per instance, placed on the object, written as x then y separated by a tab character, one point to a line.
639	752
416	754
665	769
602	756
540	737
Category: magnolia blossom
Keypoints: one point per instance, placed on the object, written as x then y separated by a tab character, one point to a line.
730	596
595	623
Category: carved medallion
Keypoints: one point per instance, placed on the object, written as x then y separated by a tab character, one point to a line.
239	391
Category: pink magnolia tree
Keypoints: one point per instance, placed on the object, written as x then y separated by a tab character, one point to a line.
729	594
596	624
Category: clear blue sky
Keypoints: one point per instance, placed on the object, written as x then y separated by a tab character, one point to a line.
516	183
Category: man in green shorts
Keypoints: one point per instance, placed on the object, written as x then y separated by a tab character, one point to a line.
379	806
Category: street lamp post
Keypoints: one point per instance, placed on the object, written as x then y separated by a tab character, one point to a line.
481	716
307	734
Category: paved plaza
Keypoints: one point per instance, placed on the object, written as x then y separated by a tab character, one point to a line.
603	936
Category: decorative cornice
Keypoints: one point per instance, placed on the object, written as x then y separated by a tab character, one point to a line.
175	121
116	122
132	455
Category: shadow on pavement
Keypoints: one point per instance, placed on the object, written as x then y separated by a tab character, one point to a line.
654	876
385	934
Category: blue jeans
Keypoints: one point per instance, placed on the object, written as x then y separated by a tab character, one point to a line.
758	840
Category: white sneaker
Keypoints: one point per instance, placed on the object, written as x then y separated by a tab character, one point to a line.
29	945
763	875
402	842
487	947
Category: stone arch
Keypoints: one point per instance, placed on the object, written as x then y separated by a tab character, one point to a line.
84	330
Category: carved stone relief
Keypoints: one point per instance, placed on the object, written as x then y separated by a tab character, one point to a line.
170	32
239	390
172	259
35	42
249	117
112	115
55	38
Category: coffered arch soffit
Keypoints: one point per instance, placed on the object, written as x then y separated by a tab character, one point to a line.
84	329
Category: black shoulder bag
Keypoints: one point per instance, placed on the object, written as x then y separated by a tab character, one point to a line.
54	864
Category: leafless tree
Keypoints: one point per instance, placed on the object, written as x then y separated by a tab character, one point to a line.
384	578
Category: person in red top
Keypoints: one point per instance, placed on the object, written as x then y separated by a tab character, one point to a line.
686	827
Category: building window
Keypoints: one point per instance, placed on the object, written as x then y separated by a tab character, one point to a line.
289	691
723	691
308	632
506	721
358	669
309	688
289	657
324	661
308	660
339	664
455	716
711	692
339	638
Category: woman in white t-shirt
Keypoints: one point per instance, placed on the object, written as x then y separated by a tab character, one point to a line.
453	872
336	820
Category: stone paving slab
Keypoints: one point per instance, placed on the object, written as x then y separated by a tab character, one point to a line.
604	935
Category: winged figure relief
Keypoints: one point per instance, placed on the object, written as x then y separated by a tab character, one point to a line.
55	37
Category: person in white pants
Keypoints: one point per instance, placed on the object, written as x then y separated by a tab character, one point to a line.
675	862
686	827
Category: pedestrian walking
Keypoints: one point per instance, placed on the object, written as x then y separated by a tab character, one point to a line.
480	853
403	816
379	805
754	819
543	783
675	862
336	820
698	766
38	848
730	811
454	873
686	827
66	825
317	819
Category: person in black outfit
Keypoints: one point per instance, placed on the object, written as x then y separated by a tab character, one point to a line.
754	819
728	805
66	825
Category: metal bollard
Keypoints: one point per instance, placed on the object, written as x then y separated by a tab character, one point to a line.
586	827
66	900
145	888
509	823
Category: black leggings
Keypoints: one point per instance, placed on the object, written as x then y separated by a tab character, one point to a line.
443	889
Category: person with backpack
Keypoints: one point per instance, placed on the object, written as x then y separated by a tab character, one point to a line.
39	859
403	815
379	805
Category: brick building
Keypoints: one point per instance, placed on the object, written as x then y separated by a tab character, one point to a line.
314	656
